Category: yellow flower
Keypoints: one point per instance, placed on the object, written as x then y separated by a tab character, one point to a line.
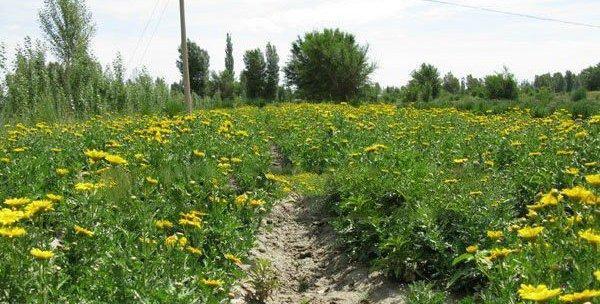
551	198
572	171
498	253
475	193
9	217
450	181
580	194
193	250
374	148
83	231
538	293
535	153
233	259
95	155
62	171
590	236
171	240
581	134
15	202
530	233
83	187
163	224
5	160
212	283
472	249
597	274
192	223
115	160
494	235
152	181
256	202
53	197
38	206
593	179
241	199
199	154
12	232
460	161
580	296
41	254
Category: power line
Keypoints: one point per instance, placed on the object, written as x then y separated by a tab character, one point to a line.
141	37
154	31
514	14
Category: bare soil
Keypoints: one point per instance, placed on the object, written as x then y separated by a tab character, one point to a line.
311	267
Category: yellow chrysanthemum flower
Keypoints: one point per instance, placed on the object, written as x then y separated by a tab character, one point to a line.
53	197
572	171
538	293
38	206
193	250
472	249
62	171
152	181
374	148
41	254
580	296
83	231
12	232
15	202
590	236
9	217
494	234
593	179
580	194
115	160
498	253
199	154
233	259
163	224
212	283
597	274
95	155
460	161
530	233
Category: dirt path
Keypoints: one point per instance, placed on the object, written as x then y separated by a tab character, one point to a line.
298	240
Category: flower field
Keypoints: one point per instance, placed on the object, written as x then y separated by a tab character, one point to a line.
156	209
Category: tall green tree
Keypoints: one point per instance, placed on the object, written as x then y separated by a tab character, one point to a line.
68	28
426	81
254	73
227	77
590	78
558	82
272	73
199	62
328	65
569	81
543	81
451	84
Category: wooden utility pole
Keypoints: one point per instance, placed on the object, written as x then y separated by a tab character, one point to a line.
186	64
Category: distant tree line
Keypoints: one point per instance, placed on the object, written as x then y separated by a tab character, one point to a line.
326	65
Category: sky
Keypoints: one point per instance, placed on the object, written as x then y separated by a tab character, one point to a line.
401	34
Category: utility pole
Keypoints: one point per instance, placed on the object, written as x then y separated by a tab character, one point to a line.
186	64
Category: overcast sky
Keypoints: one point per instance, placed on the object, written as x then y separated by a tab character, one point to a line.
401	34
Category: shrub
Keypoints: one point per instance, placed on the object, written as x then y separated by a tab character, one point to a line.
501	86
579	94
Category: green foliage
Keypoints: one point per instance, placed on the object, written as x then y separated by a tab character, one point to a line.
263	279
424	293
272	73
570	80
451	84
199	62
229	55
328	65
254	74
425	83
590	78
501	86
579	94
543	81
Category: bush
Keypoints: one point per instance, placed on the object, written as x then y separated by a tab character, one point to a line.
423	293
579	94
501	86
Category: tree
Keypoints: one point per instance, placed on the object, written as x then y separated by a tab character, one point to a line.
543	81
451	84
229	55
272	73
328	65
227	77
501	86
199	62
254	73
68	28
558	82
426	81
590	78
569	81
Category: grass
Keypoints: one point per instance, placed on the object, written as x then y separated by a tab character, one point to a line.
414	192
